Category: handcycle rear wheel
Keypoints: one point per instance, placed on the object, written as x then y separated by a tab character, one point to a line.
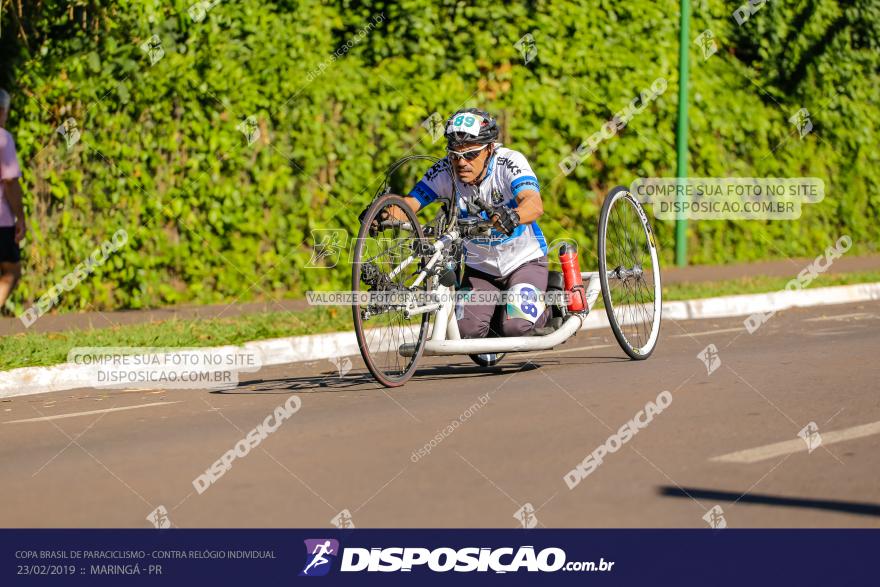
378	256
629	274
487	359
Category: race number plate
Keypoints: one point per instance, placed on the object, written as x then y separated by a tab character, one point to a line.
524	302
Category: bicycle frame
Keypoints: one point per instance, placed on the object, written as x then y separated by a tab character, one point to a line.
446	339
423	284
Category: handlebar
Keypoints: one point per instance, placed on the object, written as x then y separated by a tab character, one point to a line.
393	223
470	227
474	227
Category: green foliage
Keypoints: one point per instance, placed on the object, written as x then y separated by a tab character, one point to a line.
33	349
340	92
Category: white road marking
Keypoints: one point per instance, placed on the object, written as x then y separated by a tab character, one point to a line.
769	451
560	351
843	317
89	413
722	331
828	332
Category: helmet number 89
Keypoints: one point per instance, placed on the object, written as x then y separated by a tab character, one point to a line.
467	120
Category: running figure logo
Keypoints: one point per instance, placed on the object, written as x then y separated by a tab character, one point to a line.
810	435
715	518
706	42
320	553
526	516
710	358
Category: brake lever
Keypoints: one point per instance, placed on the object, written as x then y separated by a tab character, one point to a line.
485	208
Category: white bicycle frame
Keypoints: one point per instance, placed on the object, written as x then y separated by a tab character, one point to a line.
446	339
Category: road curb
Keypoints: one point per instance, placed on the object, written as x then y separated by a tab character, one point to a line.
296	349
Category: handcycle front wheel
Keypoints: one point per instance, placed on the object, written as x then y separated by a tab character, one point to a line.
387	261
629	274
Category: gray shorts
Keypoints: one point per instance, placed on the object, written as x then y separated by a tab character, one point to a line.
478	321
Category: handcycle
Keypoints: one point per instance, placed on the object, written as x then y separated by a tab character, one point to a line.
404	274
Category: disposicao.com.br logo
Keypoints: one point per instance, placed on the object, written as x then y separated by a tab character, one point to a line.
320	554
442	560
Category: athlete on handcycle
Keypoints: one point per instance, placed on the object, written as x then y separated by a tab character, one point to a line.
494	183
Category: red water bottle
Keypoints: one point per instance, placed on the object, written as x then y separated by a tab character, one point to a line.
571	275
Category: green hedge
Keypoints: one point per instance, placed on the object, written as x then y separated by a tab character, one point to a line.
339	92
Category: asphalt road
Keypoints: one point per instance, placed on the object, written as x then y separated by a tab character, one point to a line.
352	445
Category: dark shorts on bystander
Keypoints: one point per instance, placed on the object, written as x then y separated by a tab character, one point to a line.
9	251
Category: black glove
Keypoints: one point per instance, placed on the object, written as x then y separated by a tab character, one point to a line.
374	225
508	219
363	214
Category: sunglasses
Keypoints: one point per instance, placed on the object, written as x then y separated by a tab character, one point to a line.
468	155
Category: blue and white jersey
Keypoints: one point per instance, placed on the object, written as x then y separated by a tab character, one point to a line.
507	175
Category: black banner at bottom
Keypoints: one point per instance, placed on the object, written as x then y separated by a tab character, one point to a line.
364	557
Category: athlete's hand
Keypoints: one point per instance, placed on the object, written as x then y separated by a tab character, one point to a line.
505	220
374	225
363	214
389	213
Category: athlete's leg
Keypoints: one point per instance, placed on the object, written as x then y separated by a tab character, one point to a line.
520	319
473	318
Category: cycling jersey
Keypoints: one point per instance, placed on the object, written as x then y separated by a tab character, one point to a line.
507	175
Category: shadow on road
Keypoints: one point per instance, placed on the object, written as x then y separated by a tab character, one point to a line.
848	507
584	360
453	370
331	382
326	382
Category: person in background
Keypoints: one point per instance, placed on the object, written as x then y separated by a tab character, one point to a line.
12	226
